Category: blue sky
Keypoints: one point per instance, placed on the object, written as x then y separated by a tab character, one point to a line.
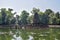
19	5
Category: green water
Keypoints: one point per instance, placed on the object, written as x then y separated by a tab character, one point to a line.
38	34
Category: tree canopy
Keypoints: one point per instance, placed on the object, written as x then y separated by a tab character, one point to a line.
37	17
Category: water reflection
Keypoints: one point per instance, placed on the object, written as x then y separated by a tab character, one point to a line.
30	37
15	37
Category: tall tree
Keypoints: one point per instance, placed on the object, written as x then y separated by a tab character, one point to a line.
6	15
58	15
10	15
49	13
24	16
0	18
45	19
13	20
30	19
3	12
36	19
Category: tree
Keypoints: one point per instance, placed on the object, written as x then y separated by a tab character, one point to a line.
3	13
6	15
13	20
49	14
48	11
30	19
58	15
54	21
10	16
36	19
0	18
45	19
24	16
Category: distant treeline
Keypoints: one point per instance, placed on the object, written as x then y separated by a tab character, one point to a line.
36	17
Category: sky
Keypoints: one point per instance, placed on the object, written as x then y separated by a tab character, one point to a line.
19	5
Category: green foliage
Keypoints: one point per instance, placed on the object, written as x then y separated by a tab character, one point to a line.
24	16
35	10
48	11
36	19
30	19
3	13
6	16
37	16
